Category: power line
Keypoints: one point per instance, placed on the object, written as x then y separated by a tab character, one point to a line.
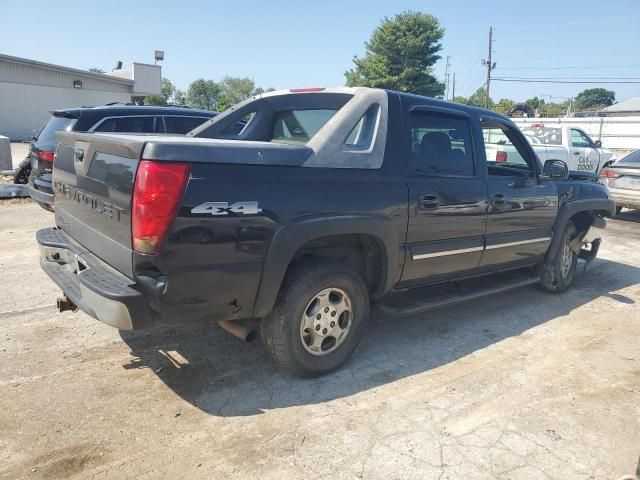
470	76
576	67
600	21
534	80
572	78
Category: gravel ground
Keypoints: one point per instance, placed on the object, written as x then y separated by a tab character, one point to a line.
526	385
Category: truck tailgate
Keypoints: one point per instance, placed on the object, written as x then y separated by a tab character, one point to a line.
93	185
94	179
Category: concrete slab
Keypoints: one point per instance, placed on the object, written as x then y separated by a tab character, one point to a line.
523	385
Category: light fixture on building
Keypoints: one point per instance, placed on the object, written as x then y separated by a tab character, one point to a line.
159	55
118	65
77	84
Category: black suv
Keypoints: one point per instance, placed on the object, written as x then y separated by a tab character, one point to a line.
37	167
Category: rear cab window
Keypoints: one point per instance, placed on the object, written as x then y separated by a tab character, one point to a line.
356	140
294	118
299	126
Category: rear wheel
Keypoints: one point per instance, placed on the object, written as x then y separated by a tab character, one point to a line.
21	176
318	320
556	274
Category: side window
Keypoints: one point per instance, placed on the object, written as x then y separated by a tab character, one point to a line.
506	154
126	124
441	145
182	125
362	135
579	139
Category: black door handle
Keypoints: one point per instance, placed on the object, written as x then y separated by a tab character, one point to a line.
428	200
497	199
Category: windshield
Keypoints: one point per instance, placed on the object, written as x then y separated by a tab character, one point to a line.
631	159
543	135
46	139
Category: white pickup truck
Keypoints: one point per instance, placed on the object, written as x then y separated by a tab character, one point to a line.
553	142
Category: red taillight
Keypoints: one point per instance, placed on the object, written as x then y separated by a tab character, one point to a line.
501	156
606	173
46	155
305	90
156	196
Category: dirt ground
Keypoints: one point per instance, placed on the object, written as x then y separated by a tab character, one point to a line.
526	385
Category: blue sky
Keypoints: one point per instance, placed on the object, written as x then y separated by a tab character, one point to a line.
292	44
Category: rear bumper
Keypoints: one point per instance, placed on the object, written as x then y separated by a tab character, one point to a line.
625	198
41	197
95	287
40	189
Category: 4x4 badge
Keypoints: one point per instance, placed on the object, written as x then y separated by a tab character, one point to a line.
223	208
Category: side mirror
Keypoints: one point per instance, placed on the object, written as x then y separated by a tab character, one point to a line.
555	169
598	144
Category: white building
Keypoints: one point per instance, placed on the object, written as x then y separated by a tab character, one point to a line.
629	107
29	90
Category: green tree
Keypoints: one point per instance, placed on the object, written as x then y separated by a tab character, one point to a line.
234	90
595	97
237	89
504	105
535	103
463	100
167	93
477	99
203	94
400	55
180	97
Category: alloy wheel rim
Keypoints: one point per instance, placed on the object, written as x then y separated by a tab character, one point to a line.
567	259
326	321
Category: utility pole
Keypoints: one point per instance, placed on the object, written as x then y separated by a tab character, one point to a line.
453	92
490	64
446	78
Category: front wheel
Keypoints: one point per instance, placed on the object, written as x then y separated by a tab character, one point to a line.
556	274
318	320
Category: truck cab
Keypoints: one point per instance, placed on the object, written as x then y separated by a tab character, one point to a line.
325	202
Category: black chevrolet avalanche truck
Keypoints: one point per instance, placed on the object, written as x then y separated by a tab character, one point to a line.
326	202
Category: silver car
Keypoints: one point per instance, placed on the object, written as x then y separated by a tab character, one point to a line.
623	179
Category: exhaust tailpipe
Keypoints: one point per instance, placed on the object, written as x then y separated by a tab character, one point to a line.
64	304
245	330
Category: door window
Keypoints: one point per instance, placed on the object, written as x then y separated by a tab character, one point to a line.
506	152
579	139
182	125
441	145
136	124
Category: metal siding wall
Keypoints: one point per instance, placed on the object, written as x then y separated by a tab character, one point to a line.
12	72
147	79
25	108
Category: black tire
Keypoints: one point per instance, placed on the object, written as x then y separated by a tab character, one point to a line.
21	175
281	330
553	277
